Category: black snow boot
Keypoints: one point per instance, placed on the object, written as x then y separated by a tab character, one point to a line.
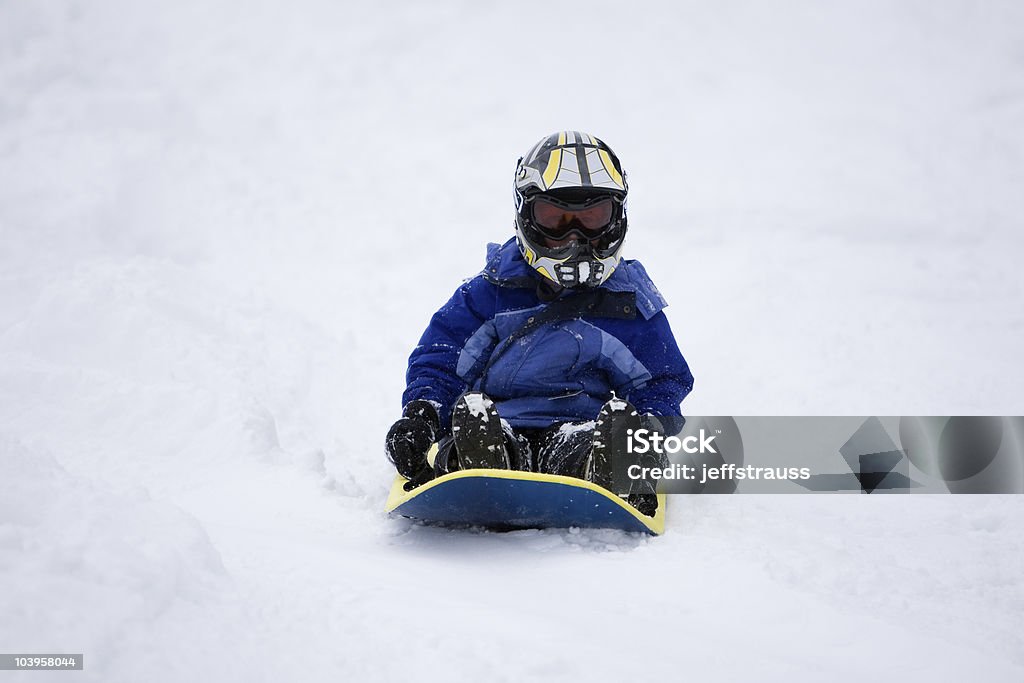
478	433
616	420
646	503
610	439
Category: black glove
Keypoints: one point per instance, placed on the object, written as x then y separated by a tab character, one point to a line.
410	437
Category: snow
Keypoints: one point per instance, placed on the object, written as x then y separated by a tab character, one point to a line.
570	428
224	227
584	274
478	405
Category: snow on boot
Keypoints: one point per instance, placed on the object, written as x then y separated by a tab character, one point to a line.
478	434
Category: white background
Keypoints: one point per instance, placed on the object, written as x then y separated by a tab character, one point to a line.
223	227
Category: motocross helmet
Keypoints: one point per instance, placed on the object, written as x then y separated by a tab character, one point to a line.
570	198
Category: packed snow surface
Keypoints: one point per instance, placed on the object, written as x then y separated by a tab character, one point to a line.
223	227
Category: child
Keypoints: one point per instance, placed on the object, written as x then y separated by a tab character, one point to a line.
528	363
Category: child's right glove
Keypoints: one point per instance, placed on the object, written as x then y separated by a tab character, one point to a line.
410	437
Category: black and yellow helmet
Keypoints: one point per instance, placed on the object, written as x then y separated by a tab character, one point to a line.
570	198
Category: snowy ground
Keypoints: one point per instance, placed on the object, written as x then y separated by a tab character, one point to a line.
224	225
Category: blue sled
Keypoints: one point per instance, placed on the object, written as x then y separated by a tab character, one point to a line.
507	499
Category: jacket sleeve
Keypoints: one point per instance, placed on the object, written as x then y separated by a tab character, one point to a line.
433	366
671	380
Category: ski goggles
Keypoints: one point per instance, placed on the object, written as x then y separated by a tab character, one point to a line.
557	220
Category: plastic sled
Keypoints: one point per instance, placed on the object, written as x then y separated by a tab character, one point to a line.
509	499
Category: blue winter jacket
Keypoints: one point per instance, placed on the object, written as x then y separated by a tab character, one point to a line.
560	371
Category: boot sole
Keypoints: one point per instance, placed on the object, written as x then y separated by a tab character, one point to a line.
599	465
479	438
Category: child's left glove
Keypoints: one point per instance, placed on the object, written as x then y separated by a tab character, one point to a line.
410	437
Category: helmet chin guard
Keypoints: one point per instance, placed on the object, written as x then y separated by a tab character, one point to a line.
572	171
574	265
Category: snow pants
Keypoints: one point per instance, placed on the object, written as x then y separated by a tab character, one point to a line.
562	448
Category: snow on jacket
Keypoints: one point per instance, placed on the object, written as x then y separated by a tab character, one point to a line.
560	371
